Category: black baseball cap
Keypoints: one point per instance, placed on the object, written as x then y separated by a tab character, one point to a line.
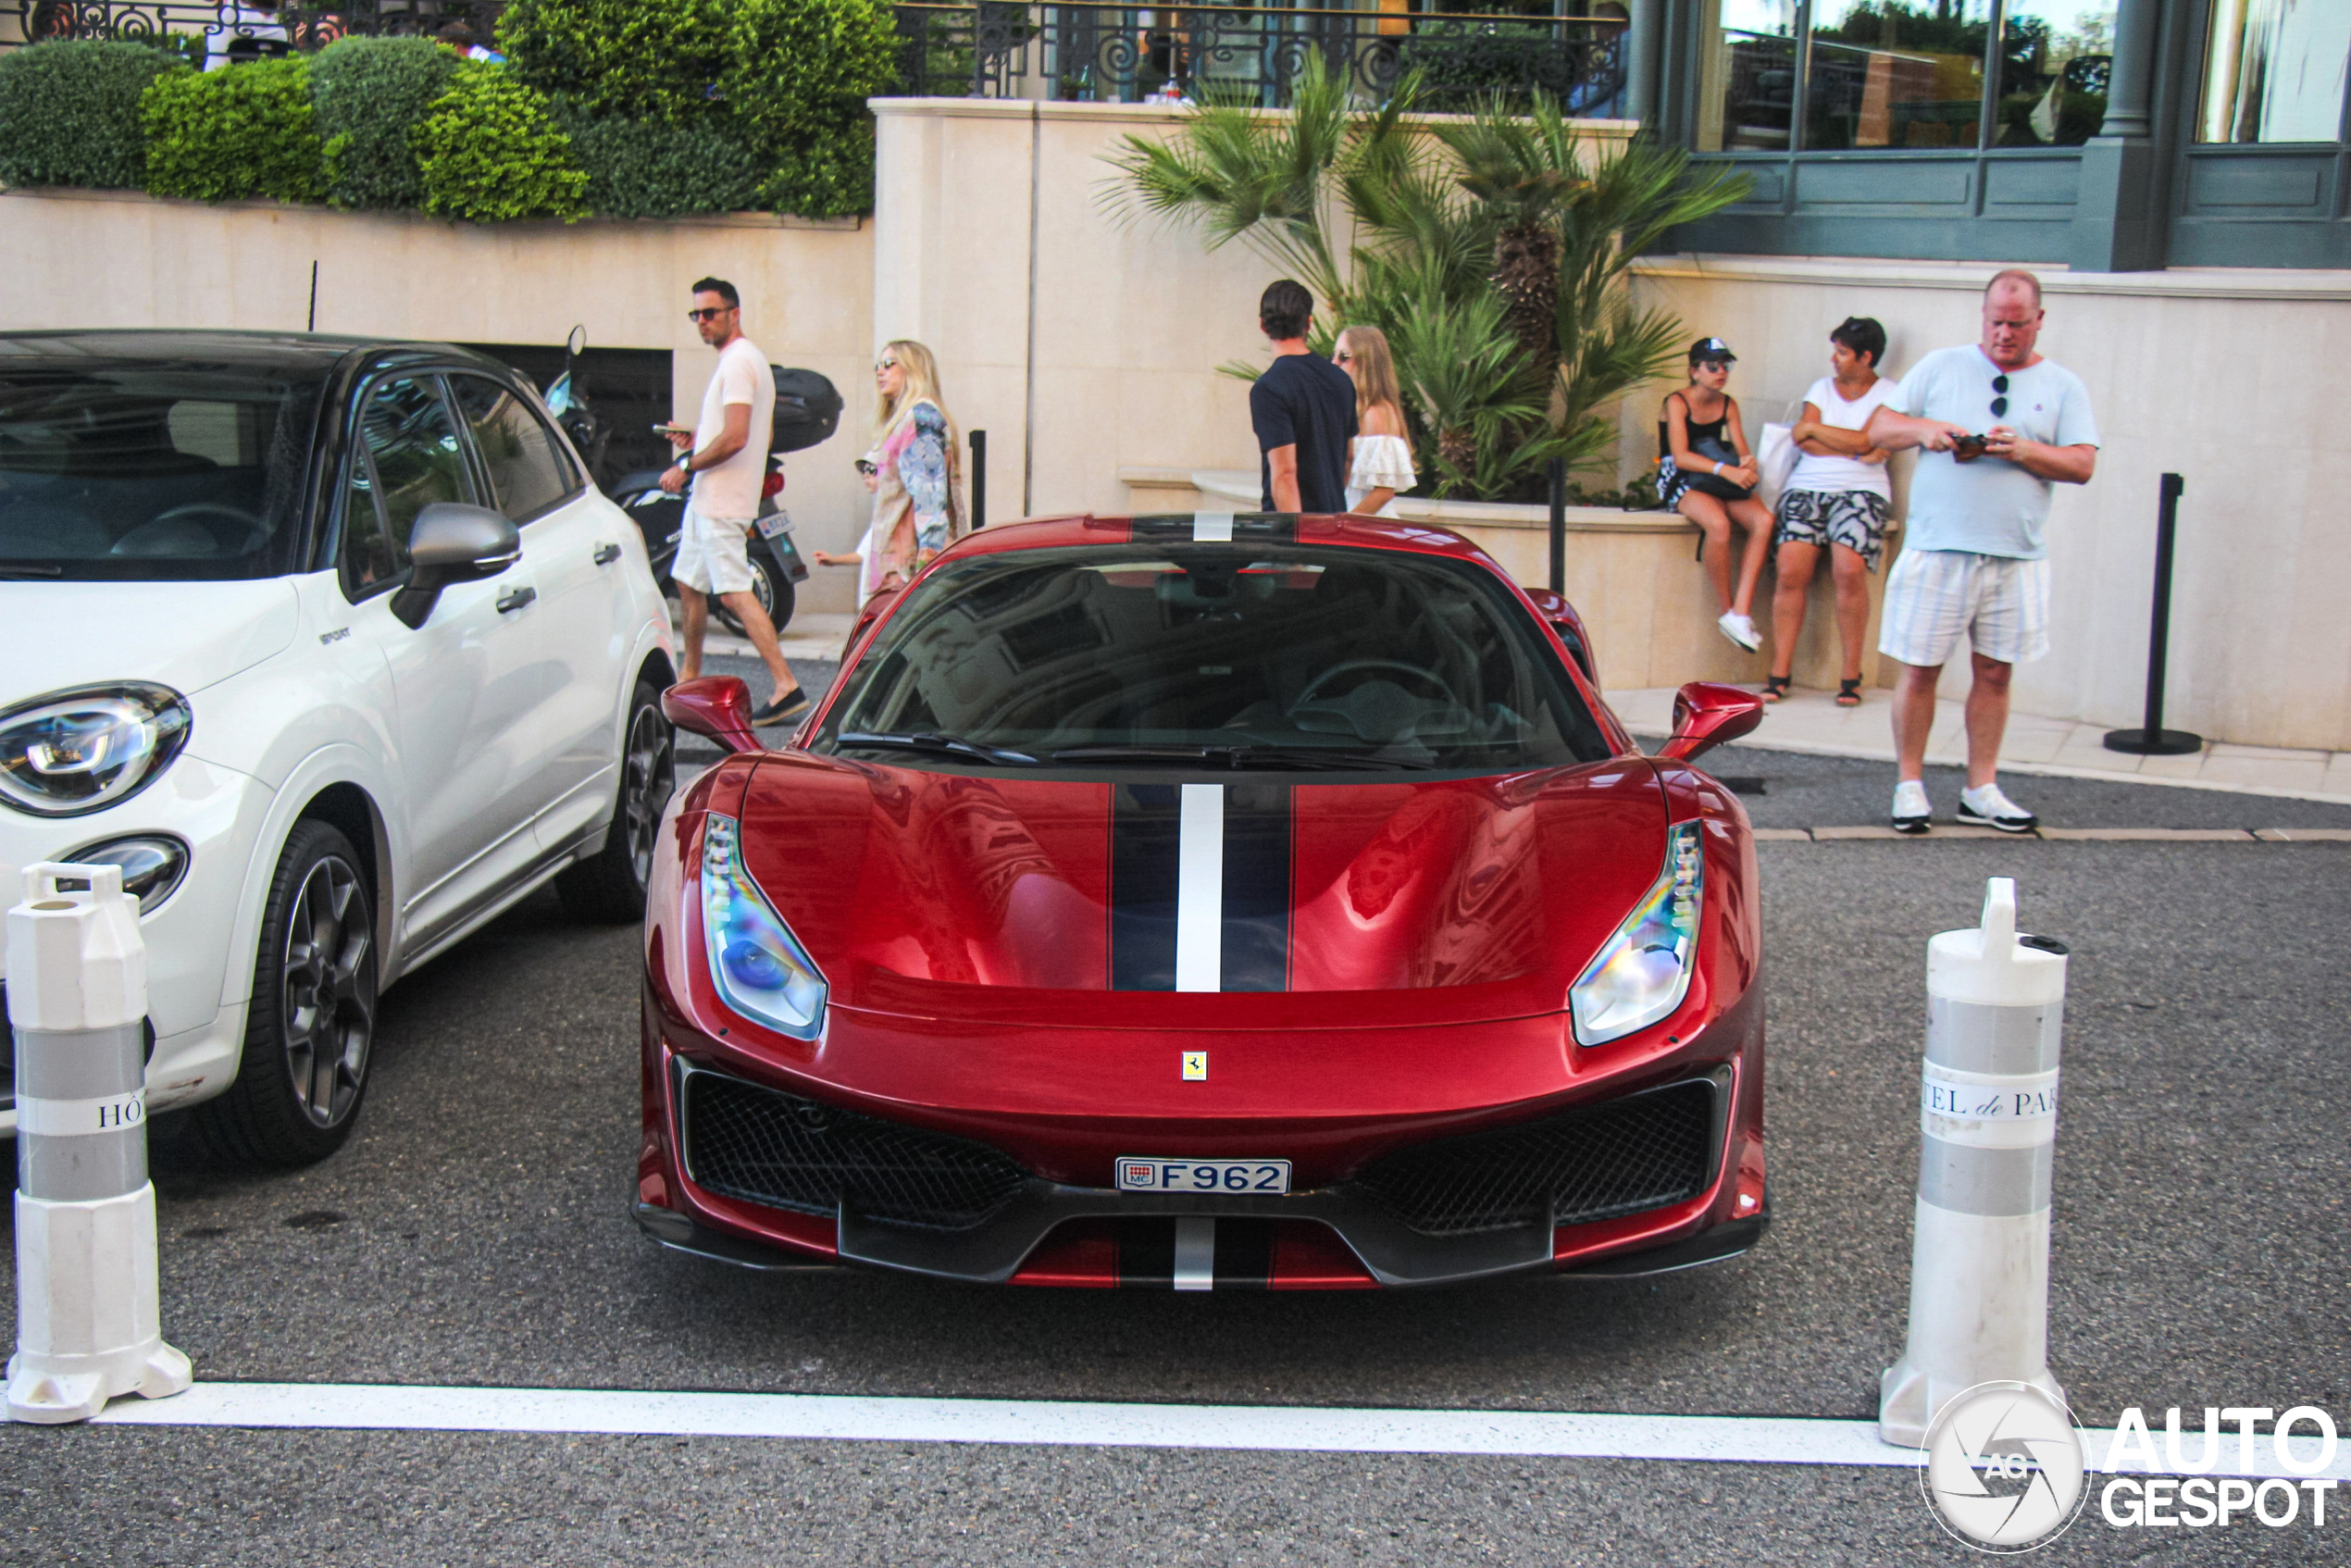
1711	349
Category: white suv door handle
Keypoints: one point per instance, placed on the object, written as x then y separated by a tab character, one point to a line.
607	553
515	599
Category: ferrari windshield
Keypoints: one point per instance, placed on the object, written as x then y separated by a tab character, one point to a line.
1239	656
149	469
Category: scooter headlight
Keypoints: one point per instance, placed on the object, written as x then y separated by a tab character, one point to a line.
759	968
1643	971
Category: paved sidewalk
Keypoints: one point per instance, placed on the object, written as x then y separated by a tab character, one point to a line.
1810	721
810	635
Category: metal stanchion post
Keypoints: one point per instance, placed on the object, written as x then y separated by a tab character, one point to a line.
89	1324
2151	738
979	478
1987	1114
1559	525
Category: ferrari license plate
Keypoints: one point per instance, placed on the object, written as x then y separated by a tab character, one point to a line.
1138	1174
774	525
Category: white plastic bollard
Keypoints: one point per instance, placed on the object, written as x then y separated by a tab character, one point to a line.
1988	1115
89	1325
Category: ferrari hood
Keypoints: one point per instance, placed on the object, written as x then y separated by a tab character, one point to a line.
1278	903
186	635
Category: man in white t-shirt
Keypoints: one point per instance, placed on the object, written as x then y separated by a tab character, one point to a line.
1972	560
725	456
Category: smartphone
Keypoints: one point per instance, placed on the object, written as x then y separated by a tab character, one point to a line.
669	428
1967	448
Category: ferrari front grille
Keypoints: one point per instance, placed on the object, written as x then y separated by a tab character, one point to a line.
765	1147
1642	1151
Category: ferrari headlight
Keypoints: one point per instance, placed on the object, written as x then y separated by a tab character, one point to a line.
759	968
1644	970
82	750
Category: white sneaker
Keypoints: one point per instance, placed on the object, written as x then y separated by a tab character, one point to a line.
1987	807
1913	813
1740	629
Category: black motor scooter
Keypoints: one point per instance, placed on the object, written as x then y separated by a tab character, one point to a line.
807	411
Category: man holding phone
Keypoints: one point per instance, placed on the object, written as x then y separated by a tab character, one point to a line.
1972	560
725	459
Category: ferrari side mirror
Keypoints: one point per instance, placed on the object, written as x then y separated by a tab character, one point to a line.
717	707
1706	713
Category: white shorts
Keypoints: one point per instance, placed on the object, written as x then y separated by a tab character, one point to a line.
1935	596
714	554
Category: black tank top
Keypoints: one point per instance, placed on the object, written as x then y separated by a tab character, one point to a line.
1713	430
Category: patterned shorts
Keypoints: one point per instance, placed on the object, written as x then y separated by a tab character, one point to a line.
1855	518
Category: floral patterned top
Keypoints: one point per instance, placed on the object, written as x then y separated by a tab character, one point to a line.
915	513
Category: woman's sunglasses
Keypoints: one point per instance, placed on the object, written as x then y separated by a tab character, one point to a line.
708	313
1342	357
863	466
2000	404
882	364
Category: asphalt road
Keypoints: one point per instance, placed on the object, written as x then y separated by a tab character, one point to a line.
475	1231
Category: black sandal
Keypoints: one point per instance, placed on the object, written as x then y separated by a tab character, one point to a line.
1776	687
1848	693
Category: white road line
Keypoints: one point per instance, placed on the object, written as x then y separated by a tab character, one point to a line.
1199	889
1749	1439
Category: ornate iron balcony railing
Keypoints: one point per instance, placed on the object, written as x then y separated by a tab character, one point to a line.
1101	52
214	26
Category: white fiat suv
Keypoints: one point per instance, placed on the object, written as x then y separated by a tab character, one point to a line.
333	647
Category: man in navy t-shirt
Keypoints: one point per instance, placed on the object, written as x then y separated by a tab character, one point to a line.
1303	410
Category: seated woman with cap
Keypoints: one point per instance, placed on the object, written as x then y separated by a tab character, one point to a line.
1707	472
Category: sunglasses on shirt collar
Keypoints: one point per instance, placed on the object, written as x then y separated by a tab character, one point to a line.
2000	404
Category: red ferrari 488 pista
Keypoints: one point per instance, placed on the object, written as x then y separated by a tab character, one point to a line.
1209	902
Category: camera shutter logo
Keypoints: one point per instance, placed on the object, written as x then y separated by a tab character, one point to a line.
2006	1468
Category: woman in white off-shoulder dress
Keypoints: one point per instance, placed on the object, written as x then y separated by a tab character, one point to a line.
1380	458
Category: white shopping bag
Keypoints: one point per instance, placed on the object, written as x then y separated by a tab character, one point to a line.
1774	461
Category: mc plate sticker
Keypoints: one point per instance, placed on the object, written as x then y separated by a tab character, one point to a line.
1141	1174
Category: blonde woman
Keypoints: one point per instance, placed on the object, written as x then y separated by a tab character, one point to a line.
1380	458
915	511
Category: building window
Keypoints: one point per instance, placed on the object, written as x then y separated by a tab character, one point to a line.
1747	77
1890	75
2273	71
2054	60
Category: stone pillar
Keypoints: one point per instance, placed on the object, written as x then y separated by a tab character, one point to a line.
2117	224
1641	59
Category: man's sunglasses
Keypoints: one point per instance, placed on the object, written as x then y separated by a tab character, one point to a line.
708	313
2000	404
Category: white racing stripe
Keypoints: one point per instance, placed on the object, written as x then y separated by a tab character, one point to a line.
1194	1253
1750	1439
1199	889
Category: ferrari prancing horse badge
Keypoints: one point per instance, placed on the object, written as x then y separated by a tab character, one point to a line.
1195	1066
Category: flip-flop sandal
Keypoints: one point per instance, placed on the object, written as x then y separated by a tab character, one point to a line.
1848	693
1776	687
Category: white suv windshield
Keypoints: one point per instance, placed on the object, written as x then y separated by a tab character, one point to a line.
1241	656
145	470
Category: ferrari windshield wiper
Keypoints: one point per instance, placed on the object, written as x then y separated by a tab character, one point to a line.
939	745
1239	757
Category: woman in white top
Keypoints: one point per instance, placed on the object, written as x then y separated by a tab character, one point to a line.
1837	499
1380	458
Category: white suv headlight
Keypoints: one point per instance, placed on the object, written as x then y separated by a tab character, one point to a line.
71	752
1643	972
758	966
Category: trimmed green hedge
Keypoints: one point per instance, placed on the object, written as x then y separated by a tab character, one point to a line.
223	135
625	108
639	169
69	113
491	151
641	60
370	92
